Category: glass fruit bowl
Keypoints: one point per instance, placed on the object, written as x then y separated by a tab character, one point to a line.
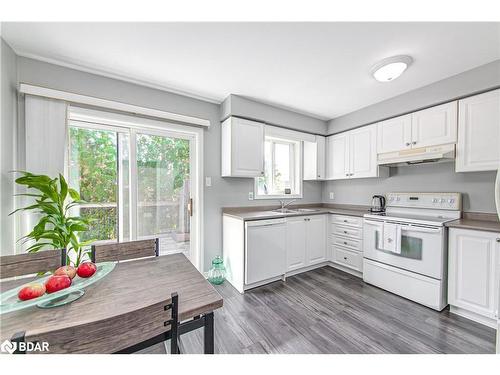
10	302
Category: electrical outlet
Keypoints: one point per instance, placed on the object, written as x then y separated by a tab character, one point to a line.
250	195
332	195
208	181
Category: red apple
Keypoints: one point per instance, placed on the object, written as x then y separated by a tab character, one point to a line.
31	291
86	269
56	283
66	270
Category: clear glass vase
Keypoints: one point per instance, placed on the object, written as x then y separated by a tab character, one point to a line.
217	274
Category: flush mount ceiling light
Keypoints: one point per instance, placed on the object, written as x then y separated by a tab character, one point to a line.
391	68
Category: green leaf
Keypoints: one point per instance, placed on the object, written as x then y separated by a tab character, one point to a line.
64	188
74	194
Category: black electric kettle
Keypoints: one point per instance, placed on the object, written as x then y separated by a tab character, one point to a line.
378	203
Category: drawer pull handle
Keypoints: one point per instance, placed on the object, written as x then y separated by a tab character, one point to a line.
345	221
345	232
345	243
345	258
498	239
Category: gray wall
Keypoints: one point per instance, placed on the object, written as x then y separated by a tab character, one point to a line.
224	191
7	148
236	105
477	187
466	83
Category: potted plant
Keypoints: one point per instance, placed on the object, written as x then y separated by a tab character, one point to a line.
56	228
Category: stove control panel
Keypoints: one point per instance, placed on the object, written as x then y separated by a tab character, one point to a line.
439	201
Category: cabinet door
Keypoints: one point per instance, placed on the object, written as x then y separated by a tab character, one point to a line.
295	243
434	126
310	161
363	152
316	239
394	134
247	148
314	159
479	133
472	274
338	157
321	156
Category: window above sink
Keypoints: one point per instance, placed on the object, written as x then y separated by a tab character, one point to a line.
282	170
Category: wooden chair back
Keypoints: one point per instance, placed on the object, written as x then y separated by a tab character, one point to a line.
112	252
124	333
25	264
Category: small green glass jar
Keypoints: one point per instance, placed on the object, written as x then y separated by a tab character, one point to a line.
217	274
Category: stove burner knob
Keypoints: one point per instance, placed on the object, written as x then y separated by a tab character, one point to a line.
435	200
398	199
451	201
443	200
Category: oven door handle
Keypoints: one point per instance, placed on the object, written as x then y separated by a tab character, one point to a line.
415	228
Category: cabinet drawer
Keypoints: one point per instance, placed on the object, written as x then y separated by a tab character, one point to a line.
348	258
342	230
347	220
352	244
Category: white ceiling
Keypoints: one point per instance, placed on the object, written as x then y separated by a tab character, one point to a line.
316	68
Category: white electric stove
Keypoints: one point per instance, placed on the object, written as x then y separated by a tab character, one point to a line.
405	248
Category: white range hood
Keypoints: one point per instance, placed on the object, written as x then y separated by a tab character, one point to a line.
431	154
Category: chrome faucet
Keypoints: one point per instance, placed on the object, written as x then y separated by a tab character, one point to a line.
285	204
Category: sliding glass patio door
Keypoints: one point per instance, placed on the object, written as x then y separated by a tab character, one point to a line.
162	189
138	183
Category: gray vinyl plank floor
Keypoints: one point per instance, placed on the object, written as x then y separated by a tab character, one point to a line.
330	311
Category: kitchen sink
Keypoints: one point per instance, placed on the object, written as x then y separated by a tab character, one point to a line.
284	211
307	210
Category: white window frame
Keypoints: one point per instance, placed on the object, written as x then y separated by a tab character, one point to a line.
101	120
295	169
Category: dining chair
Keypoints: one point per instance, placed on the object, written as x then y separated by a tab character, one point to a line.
30	263
119	251
117	334
116	252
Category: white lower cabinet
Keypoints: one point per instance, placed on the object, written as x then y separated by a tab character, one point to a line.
305	241
474	257
316	239
346	241
295	243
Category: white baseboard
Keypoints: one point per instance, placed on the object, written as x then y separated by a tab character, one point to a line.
346	269
474	316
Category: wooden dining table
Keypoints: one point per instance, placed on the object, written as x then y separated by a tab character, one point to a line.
123	312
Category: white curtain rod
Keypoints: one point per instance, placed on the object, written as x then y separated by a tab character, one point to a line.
25	88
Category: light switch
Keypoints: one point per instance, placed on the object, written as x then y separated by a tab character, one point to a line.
332	195
208	181
250	195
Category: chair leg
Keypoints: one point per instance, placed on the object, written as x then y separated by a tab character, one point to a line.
174	325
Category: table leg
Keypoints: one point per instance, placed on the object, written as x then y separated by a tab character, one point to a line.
209	333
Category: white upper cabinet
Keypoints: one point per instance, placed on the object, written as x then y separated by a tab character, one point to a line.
428	127
338	156
478	147
315	159
363	152
394	134
353	154
434	126
242	148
